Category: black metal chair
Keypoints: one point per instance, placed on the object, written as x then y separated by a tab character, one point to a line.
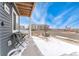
18	39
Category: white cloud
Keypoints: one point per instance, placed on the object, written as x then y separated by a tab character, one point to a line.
38	17
68	22
65	24
71	20
58	19
43	19
33	19
61	15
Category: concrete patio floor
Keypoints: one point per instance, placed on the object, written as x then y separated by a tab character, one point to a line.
32	49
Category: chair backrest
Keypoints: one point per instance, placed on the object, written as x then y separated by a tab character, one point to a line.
14	38
17	38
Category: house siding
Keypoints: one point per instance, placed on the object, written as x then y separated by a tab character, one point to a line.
6	30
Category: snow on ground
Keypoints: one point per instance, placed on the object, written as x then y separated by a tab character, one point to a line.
54	47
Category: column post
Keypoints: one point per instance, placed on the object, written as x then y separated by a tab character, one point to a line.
19	23
30	28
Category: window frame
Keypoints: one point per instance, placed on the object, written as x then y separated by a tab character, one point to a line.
6	8
14	12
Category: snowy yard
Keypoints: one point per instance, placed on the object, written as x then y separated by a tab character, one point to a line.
55	47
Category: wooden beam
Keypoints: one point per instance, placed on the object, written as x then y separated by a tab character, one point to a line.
29	2
22	14
32	9
25	11
24	4
25	8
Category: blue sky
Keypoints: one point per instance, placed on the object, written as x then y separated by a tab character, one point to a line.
55	14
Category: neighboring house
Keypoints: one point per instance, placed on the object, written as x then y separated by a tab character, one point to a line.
9	14
34	26
39	27
43	27
22	27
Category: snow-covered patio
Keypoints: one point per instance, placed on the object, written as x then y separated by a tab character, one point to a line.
55	47
40	46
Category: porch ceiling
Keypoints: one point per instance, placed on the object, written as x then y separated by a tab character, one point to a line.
25	8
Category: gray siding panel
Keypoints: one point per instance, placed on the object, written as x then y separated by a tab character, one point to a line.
6	30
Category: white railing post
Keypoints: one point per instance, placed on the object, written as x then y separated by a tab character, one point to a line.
30	28
19	23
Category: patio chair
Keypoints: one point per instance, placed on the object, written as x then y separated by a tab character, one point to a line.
17	39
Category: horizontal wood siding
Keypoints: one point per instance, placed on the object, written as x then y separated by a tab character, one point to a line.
6	30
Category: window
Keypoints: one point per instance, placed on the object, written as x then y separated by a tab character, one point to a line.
14	20
6	8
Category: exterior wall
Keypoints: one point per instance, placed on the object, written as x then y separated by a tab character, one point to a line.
6	30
